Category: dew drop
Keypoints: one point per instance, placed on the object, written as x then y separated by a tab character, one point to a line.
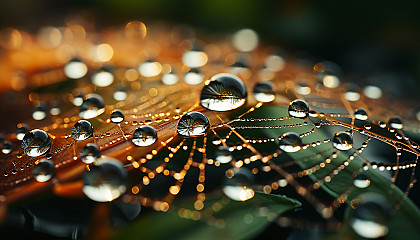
245	40
144	136
117	116
105	181
36	143
150	68
75	69
396	122
290	142
82	130
21	130
90	153
44	170
40	112
238	184
303	89
120	93
361	114
351	95
298	108
369	219
361	180
55	110
223	92
169	78
78	100
103	77
372	92
216	140
367	126
264	92
342	141
275	63
223	155
7	147
193	124
330	81
194	58
92	106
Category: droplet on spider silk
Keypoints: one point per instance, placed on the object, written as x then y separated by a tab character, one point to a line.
144	136
194	58
44	170
120	93
238	184
21	130
193	76
55	109
342	141
90	153
40	111
396	122
36	143
169	78
117	116
223	92
298	109
7	147
371	216
193	124
290	142
223	155
103	77
264	92
105	181
361	114
92	106
361	180
150	68
82	130
75	69
245	40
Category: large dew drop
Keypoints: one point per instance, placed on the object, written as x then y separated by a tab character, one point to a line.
92	106
223	92
370	218
117	116
238	185
264	92
105	181
342	141
36	143
298	109
290	142
144	136
44	170
193	124
90	153
103	77
82	130
75	69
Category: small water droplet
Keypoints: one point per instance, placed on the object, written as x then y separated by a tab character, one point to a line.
238	184
144	136
193	124
223	92
40	111
372	92
170	78
193	77
216	140
117	116
82	130
7	147
275	63
382	124
55	109
223	155
78	100
298	108
264	92
367	126
290	142
92	106
120	93
105	181
194	58
396	122
150	68
361	114
90	153
44	170
103	77
75	69
342	141
303	89
36	143
245	40
361	180
21	130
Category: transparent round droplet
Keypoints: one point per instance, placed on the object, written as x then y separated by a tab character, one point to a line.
21	130
105	181
361	180
342	141
120	93
275	63
396	122
44	170
223	92
370	218
55	110
223	155
372	92
264	92
90	153
7	147
194	58
245	40
78	100
40	112
330	81
75	69
193	77
103	77
36	143
298	109
144	136
216	140
238	184
303	89
117	116
290	142
82	130
361	114
92	106
193	124
150	68
169	78
352	95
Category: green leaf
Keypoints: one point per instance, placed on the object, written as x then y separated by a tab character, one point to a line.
235	220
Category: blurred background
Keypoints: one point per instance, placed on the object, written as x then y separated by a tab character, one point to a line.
377	41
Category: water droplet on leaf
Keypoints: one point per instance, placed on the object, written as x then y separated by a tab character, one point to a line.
298	108
342	141
290	142
264	92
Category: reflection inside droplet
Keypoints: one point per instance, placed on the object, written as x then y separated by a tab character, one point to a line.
238	185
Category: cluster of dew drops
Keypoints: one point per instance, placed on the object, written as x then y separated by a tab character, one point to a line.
106	178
